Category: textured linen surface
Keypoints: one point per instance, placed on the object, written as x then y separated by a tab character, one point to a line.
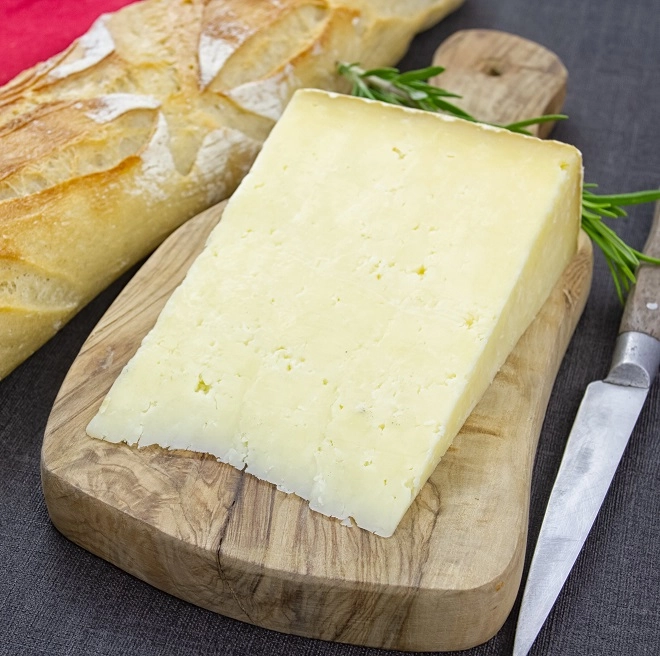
57	599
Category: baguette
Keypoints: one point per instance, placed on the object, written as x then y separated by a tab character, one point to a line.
152	116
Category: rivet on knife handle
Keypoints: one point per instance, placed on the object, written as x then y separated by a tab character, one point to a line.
642	311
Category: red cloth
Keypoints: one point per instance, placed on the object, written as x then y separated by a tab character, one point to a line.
34	30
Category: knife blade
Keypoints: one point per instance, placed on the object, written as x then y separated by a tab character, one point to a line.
603	425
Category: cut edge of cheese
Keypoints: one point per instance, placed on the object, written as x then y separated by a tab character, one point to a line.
367	281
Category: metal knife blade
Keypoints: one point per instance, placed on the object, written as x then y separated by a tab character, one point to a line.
603	425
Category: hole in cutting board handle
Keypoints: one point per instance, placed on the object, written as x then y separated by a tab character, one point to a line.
493	68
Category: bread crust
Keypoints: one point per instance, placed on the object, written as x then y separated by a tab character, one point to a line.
153	115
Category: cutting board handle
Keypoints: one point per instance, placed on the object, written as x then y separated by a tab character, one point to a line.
501	77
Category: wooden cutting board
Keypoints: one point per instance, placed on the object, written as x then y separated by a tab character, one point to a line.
226	541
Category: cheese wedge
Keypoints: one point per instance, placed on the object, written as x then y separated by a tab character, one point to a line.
368	279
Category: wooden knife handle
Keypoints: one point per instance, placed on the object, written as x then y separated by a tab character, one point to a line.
642	311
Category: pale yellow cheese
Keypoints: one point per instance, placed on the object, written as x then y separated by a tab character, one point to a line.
367	281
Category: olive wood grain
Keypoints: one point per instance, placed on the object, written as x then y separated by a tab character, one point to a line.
502	78
642	311
222	539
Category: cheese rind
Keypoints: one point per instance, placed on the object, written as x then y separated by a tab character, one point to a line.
367	281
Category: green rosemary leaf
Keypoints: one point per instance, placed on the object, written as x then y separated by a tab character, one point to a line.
546	118
434	92
421	75
589	214
450	108
634	198
384	73
615	278
643	257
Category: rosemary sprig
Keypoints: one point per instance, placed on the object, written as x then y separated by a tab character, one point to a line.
411	89
622	260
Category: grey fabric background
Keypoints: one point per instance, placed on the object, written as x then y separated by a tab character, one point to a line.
57	599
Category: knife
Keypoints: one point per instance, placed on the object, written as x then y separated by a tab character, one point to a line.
603	425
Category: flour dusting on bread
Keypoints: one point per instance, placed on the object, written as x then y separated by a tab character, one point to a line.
213	162
95	45
267	97
157	164
213	53
113	105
